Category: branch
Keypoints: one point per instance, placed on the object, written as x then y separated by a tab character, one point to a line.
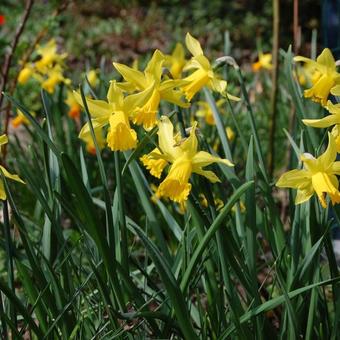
9	56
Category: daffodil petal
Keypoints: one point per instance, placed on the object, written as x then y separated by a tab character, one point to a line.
193	45
154	66
115	94
166	136
132	76
189	146
323	122
328	157
203	158
326	58
304	195
97	108
335	90
11	176
85	132
210	175
3	139
293	179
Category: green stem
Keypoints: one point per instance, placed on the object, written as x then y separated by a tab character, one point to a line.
253	125
275	73
121	216
9	252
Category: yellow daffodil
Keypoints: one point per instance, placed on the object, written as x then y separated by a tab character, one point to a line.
203	74
152	86
331	120
326	78
48	56
205	111
90	147
21	119
54	77
25	74
92	77
115	113
176	61
204	202
318	175
230	133
3	141
184	158
264	62
74	107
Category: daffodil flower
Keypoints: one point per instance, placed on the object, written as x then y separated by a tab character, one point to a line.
331	120
184	159
264	62
26	73
327	76
3	141
176	61
54	77
154	88
203	74
90	146
318	175
115	113
74	107
48	56
92	77
21	119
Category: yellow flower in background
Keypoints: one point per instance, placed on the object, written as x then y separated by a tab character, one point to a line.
54	77
203	74
115	113
176	61
25	74
21	119
74	107
92	77
3	141
264	62
230	133
205	111
204	202
325	79
318	175
48	56
153	88
90	147
48	70
185	159
331	120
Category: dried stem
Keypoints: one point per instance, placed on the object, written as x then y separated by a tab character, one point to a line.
9	56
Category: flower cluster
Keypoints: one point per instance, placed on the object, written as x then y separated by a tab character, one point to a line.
135	101
319	174
47	69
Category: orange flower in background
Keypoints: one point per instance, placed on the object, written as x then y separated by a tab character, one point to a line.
74	107
2	19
